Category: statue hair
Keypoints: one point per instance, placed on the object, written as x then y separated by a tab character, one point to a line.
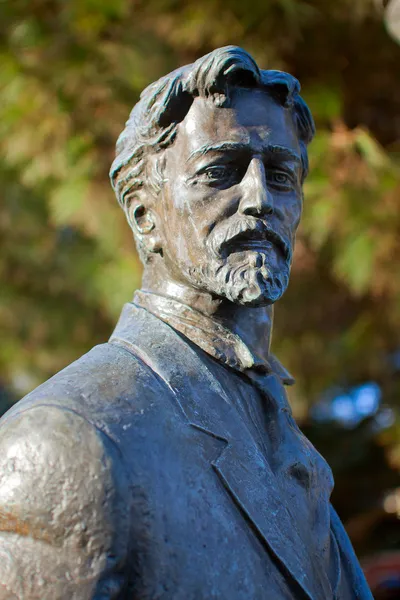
152	124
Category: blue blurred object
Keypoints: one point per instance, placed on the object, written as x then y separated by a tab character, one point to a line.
350	407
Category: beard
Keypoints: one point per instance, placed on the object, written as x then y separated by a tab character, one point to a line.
247	263
248	277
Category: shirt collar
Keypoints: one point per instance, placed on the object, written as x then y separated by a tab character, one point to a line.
212	337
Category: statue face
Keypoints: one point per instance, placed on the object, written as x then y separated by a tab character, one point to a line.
232	199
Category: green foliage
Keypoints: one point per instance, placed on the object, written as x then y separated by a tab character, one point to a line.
71	72
70	75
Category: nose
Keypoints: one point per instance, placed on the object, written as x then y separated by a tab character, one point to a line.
256	199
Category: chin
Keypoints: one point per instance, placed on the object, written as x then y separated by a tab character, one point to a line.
252	297
257	291
247	279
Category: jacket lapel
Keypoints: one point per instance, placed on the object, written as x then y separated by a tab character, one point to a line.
240	465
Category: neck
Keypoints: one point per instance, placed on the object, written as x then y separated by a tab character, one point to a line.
252	324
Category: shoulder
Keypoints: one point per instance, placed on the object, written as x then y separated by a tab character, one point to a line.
98	386
64	507
57	471
352	569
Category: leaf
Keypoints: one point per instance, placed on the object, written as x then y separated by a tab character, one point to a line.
354	262
369	148
116	281
67	199
325	101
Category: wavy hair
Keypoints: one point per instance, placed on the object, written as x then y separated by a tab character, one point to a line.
152	124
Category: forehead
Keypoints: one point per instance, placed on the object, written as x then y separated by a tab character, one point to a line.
253	117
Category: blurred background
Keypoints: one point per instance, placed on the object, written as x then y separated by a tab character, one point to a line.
69	74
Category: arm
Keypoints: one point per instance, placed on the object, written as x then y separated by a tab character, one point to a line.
63	509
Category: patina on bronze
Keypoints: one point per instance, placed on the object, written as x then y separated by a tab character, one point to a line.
166	464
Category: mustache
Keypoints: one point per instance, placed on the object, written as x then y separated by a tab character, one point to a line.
244	229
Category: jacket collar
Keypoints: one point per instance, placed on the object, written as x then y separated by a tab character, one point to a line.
240	465
210	335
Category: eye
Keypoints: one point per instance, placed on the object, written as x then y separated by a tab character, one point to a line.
219	172
280	179
222	176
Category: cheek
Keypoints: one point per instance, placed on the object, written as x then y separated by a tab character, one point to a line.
296	217
292	211
186	201
195	210
182	220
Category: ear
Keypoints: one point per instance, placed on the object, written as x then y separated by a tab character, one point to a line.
143	222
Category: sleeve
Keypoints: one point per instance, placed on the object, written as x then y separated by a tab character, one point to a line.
350	562
64	526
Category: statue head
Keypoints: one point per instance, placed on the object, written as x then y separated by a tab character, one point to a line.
209	171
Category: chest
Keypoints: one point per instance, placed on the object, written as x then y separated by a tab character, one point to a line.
206	516
190	538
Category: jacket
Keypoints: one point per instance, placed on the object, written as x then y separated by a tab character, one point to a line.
129	475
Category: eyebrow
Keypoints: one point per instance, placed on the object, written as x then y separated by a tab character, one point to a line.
281	151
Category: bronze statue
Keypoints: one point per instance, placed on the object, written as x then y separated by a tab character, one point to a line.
166	464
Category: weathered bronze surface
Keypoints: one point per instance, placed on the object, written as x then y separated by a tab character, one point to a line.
166	464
